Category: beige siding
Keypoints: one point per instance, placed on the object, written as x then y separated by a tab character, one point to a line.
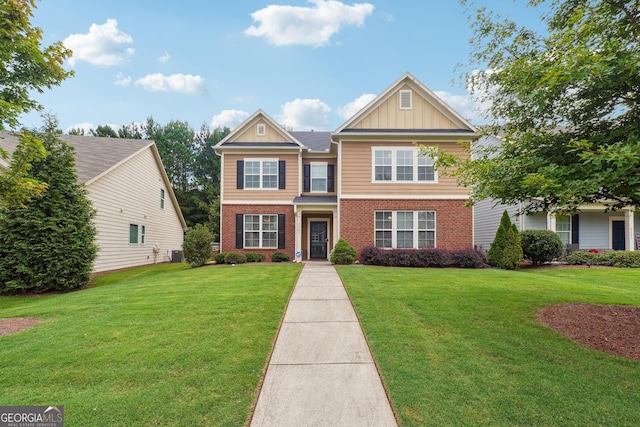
231	193
357	173
250	134
119	203
388	115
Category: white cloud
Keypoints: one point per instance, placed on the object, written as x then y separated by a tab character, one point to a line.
349	110
229	118
463	105
309	26
305	114
164	58
121	80
182	83
104	45
85	126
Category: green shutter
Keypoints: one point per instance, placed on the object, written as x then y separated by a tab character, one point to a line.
133	234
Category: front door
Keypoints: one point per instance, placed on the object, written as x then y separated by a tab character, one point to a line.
617	236
318	240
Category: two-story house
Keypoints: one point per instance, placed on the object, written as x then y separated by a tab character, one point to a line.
299	192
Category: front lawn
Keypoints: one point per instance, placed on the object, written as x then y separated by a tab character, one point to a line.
160	345
462	347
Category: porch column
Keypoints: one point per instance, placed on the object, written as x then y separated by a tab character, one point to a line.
630	238
336	227
298	234
551	221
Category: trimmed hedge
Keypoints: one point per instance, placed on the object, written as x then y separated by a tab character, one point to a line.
540	246
235	258
254	257
624	259
424	258
280	257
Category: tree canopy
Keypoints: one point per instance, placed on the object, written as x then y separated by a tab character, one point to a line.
566	104
25	67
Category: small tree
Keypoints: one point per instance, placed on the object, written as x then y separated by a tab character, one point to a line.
343	253
197	245
505	251
49	245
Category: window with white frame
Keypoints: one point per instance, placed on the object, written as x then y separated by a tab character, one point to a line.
143	232
563	228
406	100
402	165
405	229
161	198
261	173
261	231
319	177
261	129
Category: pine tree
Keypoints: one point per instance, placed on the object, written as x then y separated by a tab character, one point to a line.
495	253
50	244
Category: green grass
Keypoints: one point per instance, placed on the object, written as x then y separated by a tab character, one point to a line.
160	345
462	347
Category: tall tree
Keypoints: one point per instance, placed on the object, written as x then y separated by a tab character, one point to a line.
566	101
49	245
25	67
103	131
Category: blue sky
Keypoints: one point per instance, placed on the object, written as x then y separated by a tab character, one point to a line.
307	64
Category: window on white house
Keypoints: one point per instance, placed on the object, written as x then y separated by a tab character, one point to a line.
319	177
261	231
133	234
405	229
142	234
261	174
405	165
563	228
161	198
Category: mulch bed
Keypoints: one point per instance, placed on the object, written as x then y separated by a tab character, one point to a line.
614	329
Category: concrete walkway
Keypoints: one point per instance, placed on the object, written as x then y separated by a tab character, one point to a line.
321	372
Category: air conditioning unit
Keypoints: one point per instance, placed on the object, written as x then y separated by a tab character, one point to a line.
177	256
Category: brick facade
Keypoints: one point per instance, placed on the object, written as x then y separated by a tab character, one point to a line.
228	223
454	221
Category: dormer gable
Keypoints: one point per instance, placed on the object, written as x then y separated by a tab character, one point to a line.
260	130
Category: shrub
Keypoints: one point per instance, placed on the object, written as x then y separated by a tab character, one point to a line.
254	257
628	259
469	258
582	258
540	246
235	258
505	251
219	259
343	253
280	257
197	245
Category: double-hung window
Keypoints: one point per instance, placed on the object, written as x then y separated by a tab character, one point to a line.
402	165
261	174
261	231
318	177
563	228
405	229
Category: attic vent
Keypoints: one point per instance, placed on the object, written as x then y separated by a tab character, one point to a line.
406	98
262	129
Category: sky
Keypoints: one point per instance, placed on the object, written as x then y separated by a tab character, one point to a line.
310	65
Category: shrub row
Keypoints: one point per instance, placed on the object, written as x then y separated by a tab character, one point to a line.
241	258
428	257
629	259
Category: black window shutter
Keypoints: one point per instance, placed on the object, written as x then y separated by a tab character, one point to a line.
240	175
331	178
575	228
307	178
239	233
281	174
281	234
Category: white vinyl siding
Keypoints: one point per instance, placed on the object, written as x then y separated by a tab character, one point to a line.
402	165
405	229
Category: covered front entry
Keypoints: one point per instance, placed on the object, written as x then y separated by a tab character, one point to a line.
316	227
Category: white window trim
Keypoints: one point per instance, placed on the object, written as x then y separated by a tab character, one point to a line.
401	93
261	129
261	188
326	176
394	165
566	232
260	232
415	229
162	198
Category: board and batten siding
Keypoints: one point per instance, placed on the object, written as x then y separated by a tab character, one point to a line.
232	193
388	115
357	166
130	194
250	134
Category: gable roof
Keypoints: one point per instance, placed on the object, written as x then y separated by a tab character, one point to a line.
463	125
97	156
290	140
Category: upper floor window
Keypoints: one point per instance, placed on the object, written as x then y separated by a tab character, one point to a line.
402	165
261	173
405	229
319	177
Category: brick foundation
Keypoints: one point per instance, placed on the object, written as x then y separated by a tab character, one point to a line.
454	221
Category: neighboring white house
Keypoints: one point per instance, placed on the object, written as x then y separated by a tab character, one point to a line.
591	227
138	219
